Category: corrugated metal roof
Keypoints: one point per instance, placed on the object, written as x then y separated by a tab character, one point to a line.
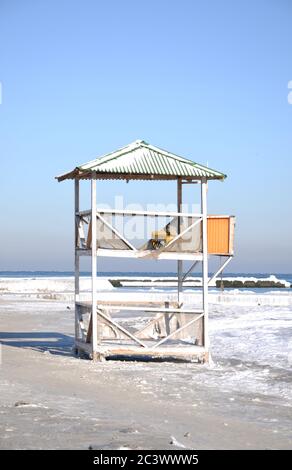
140	160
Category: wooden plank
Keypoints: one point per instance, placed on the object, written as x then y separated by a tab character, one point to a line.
89	237
130	303
146	213
204	188
89	331
169	353
94	338
179	262
194	264
193	353
231	234
122	306
76	259
220	269
153	254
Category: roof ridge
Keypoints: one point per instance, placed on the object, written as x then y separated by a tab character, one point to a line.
121	151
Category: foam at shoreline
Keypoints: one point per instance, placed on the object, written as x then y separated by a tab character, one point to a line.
62	288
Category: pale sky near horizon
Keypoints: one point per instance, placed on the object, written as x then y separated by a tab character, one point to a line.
208	80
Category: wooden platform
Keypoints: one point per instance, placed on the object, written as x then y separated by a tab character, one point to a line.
112	351
145	254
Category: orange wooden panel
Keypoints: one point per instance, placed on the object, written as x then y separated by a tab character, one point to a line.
218	235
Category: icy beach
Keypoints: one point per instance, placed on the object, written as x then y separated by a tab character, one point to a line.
50	399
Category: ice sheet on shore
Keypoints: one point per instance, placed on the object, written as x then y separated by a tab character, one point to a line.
49	284
62	288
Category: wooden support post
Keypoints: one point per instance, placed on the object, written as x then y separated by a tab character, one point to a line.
179	263
205	262
93	270
76	264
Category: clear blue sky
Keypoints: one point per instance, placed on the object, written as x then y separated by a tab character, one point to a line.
205	79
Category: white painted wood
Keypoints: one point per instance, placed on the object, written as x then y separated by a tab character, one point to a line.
220	269
194	264
231	234
76	258
189	353
145	309
205	263
221	216
179	262
146	213
93	269
143	254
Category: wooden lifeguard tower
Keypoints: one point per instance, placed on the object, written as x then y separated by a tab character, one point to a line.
170	329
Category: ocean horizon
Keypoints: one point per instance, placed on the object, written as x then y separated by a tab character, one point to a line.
32	274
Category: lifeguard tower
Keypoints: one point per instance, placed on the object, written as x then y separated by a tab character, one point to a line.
170	330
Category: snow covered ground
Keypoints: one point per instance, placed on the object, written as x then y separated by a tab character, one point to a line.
247	387
252	349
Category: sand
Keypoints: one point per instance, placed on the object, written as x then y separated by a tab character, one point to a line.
51	400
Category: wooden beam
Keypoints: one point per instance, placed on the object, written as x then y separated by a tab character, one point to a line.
220	269
190	270
231	234
146	213
94	338
89	236
76	258
205	263
122	306
191	353
179	262
89	330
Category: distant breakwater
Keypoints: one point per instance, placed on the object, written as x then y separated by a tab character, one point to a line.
236	283
225	283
